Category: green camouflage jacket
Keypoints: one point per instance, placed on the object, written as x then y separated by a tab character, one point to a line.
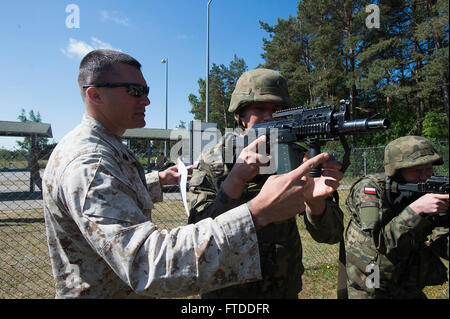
393	238
279	243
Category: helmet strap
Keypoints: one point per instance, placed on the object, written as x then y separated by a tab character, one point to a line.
388	189
238	123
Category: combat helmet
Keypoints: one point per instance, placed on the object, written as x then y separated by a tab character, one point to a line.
409	151
259	85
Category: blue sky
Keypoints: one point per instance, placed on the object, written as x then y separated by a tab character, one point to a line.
40	55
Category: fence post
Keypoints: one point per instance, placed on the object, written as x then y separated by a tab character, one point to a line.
31	160
149	153
365	163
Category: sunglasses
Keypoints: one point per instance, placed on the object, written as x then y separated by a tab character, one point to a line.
133	89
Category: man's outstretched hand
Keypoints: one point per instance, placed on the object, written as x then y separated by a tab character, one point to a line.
283	196
171	175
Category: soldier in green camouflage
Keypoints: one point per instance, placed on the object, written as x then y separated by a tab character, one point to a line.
388	254
216	187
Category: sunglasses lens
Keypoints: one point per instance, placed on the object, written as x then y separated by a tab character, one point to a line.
133	90
138	90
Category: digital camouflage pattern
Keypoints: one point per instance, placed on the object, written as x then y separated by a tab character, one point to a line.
280	247
262	86
393	237
409	151
102	242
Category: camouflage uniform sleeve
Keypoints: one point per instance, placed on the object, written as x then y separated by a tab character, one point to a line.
154	187
402	234
187	260
439	241
328	227
395	237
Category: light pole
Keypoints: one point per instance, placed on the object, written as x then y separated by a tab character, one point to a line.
207	61
166	62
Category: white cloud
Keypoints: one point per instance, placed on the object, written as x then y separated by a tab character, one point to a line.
114	17
78	49
100	44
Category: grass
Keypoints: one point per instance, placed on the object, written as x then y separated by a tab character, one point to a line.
437	292
21	163
25	270
15	163
321	283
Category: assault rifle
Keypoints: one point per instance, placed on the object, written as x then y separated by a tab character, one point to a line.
314	127
434	185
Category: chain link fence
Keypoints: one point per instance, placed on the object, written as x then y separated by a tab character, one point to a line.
25	270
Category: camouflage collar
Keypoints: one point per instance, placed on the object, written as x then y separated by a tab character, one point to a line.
113	140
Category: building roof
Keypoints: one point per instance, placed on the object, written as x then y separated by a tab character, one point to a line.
169	134
152	134
11	128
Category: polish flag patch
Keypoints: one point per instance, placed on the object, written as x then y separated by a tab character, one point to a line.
370	190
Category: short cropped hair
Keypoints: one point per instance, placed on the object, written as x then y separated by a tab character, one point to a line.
98	65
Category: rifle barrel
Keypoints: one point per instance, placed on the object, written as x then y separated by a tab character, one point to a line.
363	125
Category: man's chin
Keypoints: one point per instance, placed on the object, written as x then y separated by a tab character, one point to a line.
139	124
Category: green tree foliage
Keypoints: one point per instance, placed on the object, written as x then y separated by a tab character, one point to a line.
399	70
222	80
432	126
41	142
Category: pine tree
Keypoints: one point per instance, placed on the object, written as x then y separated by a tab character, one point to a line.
432	36
222	81
288	50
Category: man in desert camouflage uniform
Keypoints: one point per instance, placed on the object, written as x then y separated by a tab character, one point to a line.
216	187
97	204
388	231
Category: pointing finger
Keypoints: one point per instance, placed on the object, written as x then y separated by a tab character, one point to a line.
307	166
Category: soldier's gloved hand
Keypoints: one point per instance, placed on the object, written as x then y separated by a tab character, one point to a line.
431	204
245	169
282	196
